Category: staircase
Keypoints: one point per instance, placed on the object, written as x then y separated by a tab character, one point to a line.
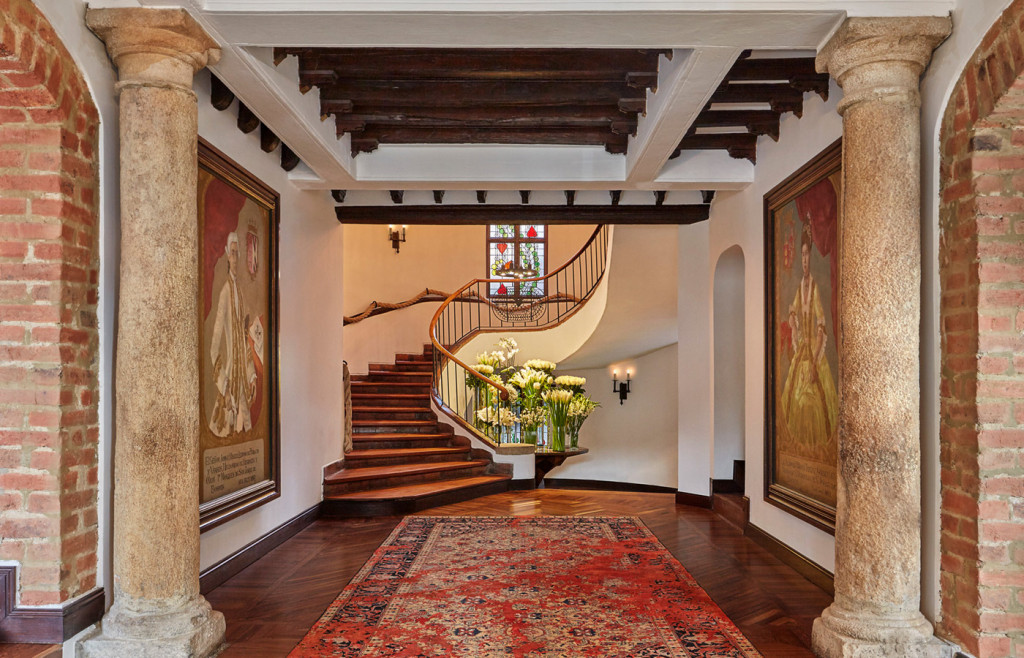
403	460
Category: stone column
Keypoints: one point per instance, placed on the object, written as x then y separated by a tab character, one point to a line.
878	62
157	609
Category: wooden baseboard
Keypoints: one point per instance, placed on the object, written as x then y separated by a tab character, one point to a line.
522	485
810	570
604	485
693	500
217	574
21	625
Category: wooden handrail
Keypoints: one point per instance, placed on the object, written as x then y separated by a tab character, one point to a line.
449	356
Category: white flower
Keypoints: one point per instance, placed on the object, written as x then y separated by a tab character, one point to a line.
558	396
540	364
483	369
536	385
571	382
506	418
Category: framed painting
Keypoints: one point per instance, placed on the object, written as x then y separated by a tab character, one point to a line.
239	428
801	230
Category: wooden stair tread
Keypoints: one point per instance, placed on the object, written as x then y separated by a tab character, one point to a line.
381	453
366	383
372	472
392	421
420	490
400	436
419	410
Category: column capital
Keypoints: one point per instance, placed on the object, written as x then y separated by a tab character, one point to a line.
154	46
881	57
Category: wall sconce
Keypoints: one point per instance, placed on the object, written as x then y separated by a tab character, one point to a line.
622	388
396	236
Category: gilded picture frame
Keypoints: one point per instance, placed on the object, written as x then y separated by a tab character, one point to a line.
239	424
801	237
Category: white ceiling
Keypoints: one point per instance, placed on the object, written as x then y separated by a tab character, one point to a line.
706	35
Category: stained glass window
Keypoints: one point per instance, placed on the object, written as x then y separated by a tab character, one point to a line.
519	246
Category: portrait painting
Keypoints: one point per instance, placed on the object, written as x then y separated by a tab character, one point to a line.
239	445
802	217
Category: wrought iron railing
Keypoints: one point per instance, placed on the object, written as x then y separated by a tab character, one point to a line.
476	401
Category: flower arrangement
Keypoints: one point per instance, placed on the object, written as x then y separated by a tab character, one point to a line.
540	364
580	409
536	397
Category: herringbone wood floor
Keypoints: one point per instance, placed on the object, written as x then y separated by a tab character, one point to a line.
271	605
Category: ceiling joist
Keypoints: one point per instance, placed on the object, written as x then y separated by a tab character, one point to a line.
480	214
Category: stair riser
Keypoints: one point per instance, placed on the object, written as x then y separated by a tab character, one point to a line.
382	387
394	461
422	358
395	428
381	401
395	378
426	414
410	366
367	442
402	480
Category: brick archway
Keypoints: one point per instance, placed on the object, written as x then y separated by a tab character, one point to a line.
49	341
981	262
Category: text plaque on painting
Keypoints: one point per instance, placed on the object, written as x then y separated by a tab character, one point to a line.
239	438
801	226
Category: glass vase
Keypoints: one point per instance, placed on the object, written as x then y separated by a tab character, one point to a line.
530	435
574	439
557	437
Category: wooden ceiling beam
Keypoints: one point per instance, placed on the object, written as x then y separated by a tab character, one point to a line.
510	115
785	68
328	76
479	214
563	135
477	93
756	93
759	122
738	145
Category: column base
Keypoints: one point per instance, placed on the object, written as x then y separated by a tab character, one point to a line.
194	630
842	634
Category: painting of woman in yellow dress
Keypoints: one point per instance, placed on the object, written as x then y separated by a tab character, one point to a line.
802	217
809	404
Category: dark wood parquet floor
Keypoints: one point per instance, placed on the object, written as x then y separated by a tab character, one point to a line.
270	605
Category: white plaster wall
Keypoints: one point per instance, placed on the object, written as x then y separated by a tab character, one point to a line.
311	252
68	20
971	20
695	367
737	218
636	441
729	362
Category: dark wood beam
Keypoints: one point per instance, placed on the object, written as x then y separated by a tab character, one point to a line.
438	196
288	158
339	195
473	117
570	197
220	96
707	196
759	122
481	196
397	196
475	63
739	145
477	93
372	137
476	214
659	197
524	196
247	121
616	196
335	106
268	140
756	93
784	68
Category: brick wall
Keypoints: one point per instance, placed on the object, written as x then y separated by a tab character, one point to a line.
48	292
981	261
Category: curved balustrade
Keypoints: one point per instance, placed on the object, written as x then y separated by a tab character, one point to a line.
475	401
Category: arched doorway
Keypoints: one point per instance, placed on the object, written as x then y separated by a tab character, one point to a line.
981	271
49	339
729	371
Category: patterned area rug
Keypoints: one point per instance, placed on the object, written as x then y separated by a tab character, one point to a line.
524	586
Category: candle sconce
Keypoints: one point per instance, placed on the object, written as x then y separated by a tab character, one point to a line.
622	388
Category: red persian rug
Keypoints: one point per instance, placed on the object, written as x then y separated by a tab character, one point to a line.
524	586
